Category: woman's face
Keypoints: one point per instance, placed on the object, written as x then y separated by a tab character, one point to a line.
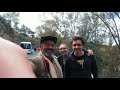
63	49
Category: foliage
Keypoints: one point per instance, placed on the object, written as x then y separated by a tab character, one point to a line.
99	29
6	31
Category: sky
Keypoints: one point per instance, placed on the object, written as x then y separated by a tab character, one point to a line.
31	19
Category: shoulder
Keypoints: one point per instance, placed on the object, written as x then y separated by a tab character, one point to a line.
37	60
90	58
12	50
70	56
13	58
60	57
7	46
54	57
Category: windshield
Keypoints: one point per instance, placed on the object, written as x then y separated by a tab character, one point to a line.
26	46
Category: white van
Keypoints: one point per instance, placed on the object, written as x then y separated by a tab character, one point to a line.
27	46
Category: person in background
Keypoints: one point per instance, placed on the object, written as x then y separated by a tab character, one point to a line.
46	65
78	63
63	49
14	62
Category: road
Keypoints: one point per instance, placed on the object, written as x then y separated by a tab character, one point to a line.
32	55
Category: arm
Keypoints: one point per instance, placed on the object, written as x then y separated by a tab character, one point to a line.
14	61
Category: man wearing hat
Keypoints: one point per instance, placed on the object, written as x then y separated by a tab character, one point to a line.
46	65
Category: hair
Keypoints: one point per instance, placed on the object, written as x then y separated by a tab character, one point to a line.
63	44
78	38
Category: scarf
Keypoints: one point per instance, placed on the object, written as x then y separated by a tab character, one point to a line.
51	67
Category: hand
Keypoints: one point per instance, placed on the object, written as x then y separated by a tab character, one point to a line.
90	52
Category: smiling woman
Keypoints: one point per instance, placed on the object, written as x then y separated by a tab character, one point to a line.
14	61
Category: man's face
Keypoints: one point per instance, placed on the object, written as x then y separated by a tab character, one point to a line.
77	46
48	47
63	50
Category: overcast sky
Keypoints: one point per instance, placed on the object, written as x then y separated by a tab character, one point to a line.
31	19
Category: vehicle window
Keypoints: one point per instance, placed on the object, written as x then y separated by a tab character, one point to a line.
26	46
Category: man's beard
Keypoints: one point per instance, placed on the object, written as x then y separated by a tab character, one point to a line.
48	53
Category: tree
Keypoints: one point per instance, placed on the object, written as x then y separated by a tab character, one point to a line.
6	31
109	21
96	28
110	68
12	17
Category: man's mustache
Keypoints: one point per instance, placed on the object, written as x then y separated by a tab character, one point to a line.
47	50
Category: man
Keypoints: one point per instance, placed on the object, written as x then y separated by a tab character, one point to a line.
14	61
46	64
63	49
79	64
